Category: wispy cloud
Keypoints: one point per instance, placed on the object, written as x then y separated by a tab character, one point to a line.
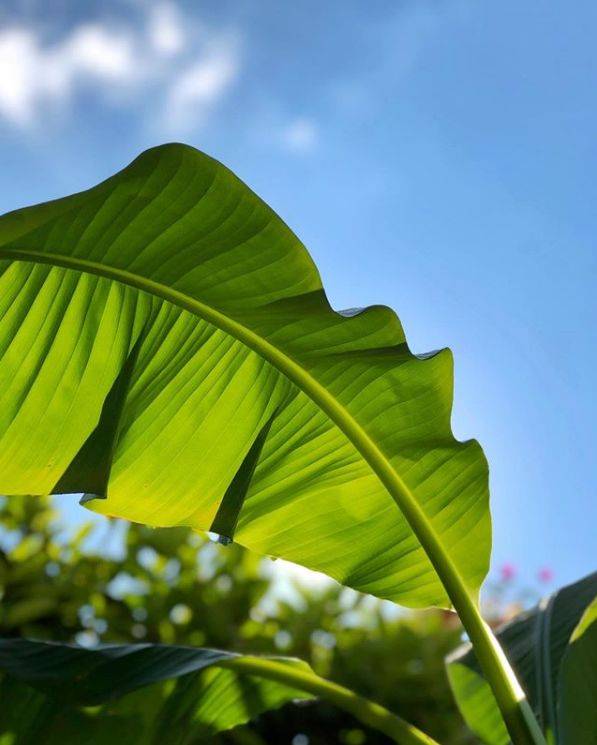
32	76
300	135
186	66
166	29
201	84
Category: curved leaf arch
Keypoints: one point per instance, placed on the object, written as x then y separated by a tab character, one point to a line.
173	297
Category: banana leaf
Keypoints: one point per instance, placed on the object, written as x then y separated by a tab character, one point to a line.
167	349
578	686
148	694
139	694
548	656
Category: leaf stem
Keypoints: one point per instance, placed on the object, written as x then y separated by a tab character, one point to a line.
518	717
511	699
368	712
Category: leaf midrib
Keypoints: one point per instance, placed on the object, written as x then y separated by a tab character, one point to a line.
373	455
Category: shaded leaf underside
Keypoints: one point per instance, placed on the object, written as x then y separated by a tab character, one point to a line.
147	327
578	686
134	693
535	642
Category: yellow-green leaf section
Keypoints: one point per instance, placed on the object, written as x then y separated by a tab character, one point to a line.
166	343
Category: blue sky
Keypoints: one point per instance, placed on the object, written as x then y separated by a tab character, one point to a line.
439	157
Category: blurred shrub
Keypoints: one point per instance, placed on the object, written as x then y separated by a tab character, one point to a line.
172	585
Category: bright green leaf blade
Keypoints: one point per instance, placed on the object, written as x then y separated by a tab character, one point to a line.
535	643
153	693
165	342
578	683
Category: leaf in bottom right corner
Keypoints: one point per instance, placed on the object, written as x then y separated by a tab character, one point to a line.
578	684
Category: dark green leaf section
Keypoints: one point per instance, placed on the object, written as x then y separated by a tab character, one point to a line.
535	643
578	683
155	326
148	693
93	462
29	717
226	518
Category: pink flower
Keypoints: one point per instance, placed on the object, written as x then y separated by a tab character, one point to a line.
507	572
545	574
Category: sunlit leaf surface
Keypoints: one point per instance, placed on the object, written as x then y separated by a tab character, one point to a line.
165	342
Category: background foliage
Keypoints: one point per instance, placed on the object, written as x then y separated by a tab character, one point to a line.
115	583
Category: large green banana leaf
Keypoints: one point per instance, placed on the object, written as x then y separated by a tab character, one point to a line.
165	342
138	694
548	659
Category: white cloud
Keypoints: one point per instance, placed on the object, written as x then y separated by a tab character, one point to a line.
98	52
187	70
18	67
166	29
301	135
201	84
33	75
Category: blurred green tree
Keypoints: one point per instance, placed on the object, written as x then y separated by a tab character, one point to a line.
119	583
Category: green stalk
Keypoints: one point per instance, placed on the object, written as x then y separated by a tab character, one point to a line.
368	712
511	699
516	712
